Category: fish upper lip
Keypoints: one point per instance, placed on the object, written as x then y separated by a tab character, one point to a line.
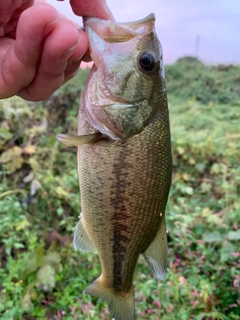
151	16
112	31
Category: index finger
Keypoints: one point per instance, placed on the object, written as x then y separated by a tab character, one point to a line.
92	8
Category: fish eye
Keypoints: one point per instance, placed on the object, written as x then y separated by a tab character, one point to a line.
147	61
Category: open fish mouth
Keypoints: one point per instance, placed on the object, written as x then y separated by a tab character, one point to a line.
104	32
117	32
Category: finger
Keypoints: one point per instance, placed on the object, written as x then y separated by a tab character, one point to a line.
10	28
12	9
92	8
64	43
87	57
21	57
71	70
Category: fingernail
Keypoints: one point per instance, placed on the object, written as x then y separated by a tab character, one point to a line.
67	54
77	26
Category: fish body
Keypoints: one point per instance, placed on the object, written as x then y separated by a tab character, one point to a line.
125	171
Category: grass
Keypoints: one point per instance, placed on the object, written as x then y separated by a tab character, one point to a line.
42	277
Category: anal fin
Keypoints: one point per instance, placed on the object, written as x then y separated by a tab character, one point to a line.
81	239
156	253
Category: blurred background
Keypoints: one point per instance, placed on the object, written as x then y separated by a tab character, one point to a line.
207	29
41	275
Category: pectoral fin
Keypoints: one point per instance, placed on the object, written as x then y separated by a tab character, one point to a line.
156	253
81	238
74	140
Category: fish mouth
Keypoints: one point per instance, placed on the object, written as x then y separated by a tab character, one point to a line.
117	32
102	33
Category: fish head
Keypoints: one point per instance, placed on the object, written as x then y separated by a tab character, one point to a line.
126	84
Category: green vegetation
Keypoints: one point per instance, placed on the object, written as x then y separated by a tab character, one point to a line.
43	277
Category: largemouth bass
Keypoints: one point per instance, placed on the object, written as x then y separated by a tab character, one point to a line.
124	158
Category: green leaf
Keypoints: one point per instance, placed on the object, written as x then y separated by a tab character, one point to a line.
189	190
15	164
35	260
234	235
213	236
61	192
23	224
3	297
26	301
7	156
53	259
226	251
18	245
29	295
5	134
46	278
205	187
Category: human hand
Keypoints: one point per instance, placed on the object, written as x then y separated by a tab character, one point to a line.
93	8
40	49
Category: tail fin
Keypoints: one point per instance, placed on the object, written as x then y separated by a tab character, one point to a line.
121	304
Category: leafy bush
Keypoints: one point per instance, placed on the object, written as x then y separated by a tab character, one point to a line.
190	79
42	277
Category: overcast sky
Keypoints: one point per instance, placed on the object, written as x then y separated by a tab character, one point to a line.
179	22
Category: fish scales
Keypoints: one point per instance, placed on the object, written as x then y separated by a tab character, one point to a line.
124	158
123	223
